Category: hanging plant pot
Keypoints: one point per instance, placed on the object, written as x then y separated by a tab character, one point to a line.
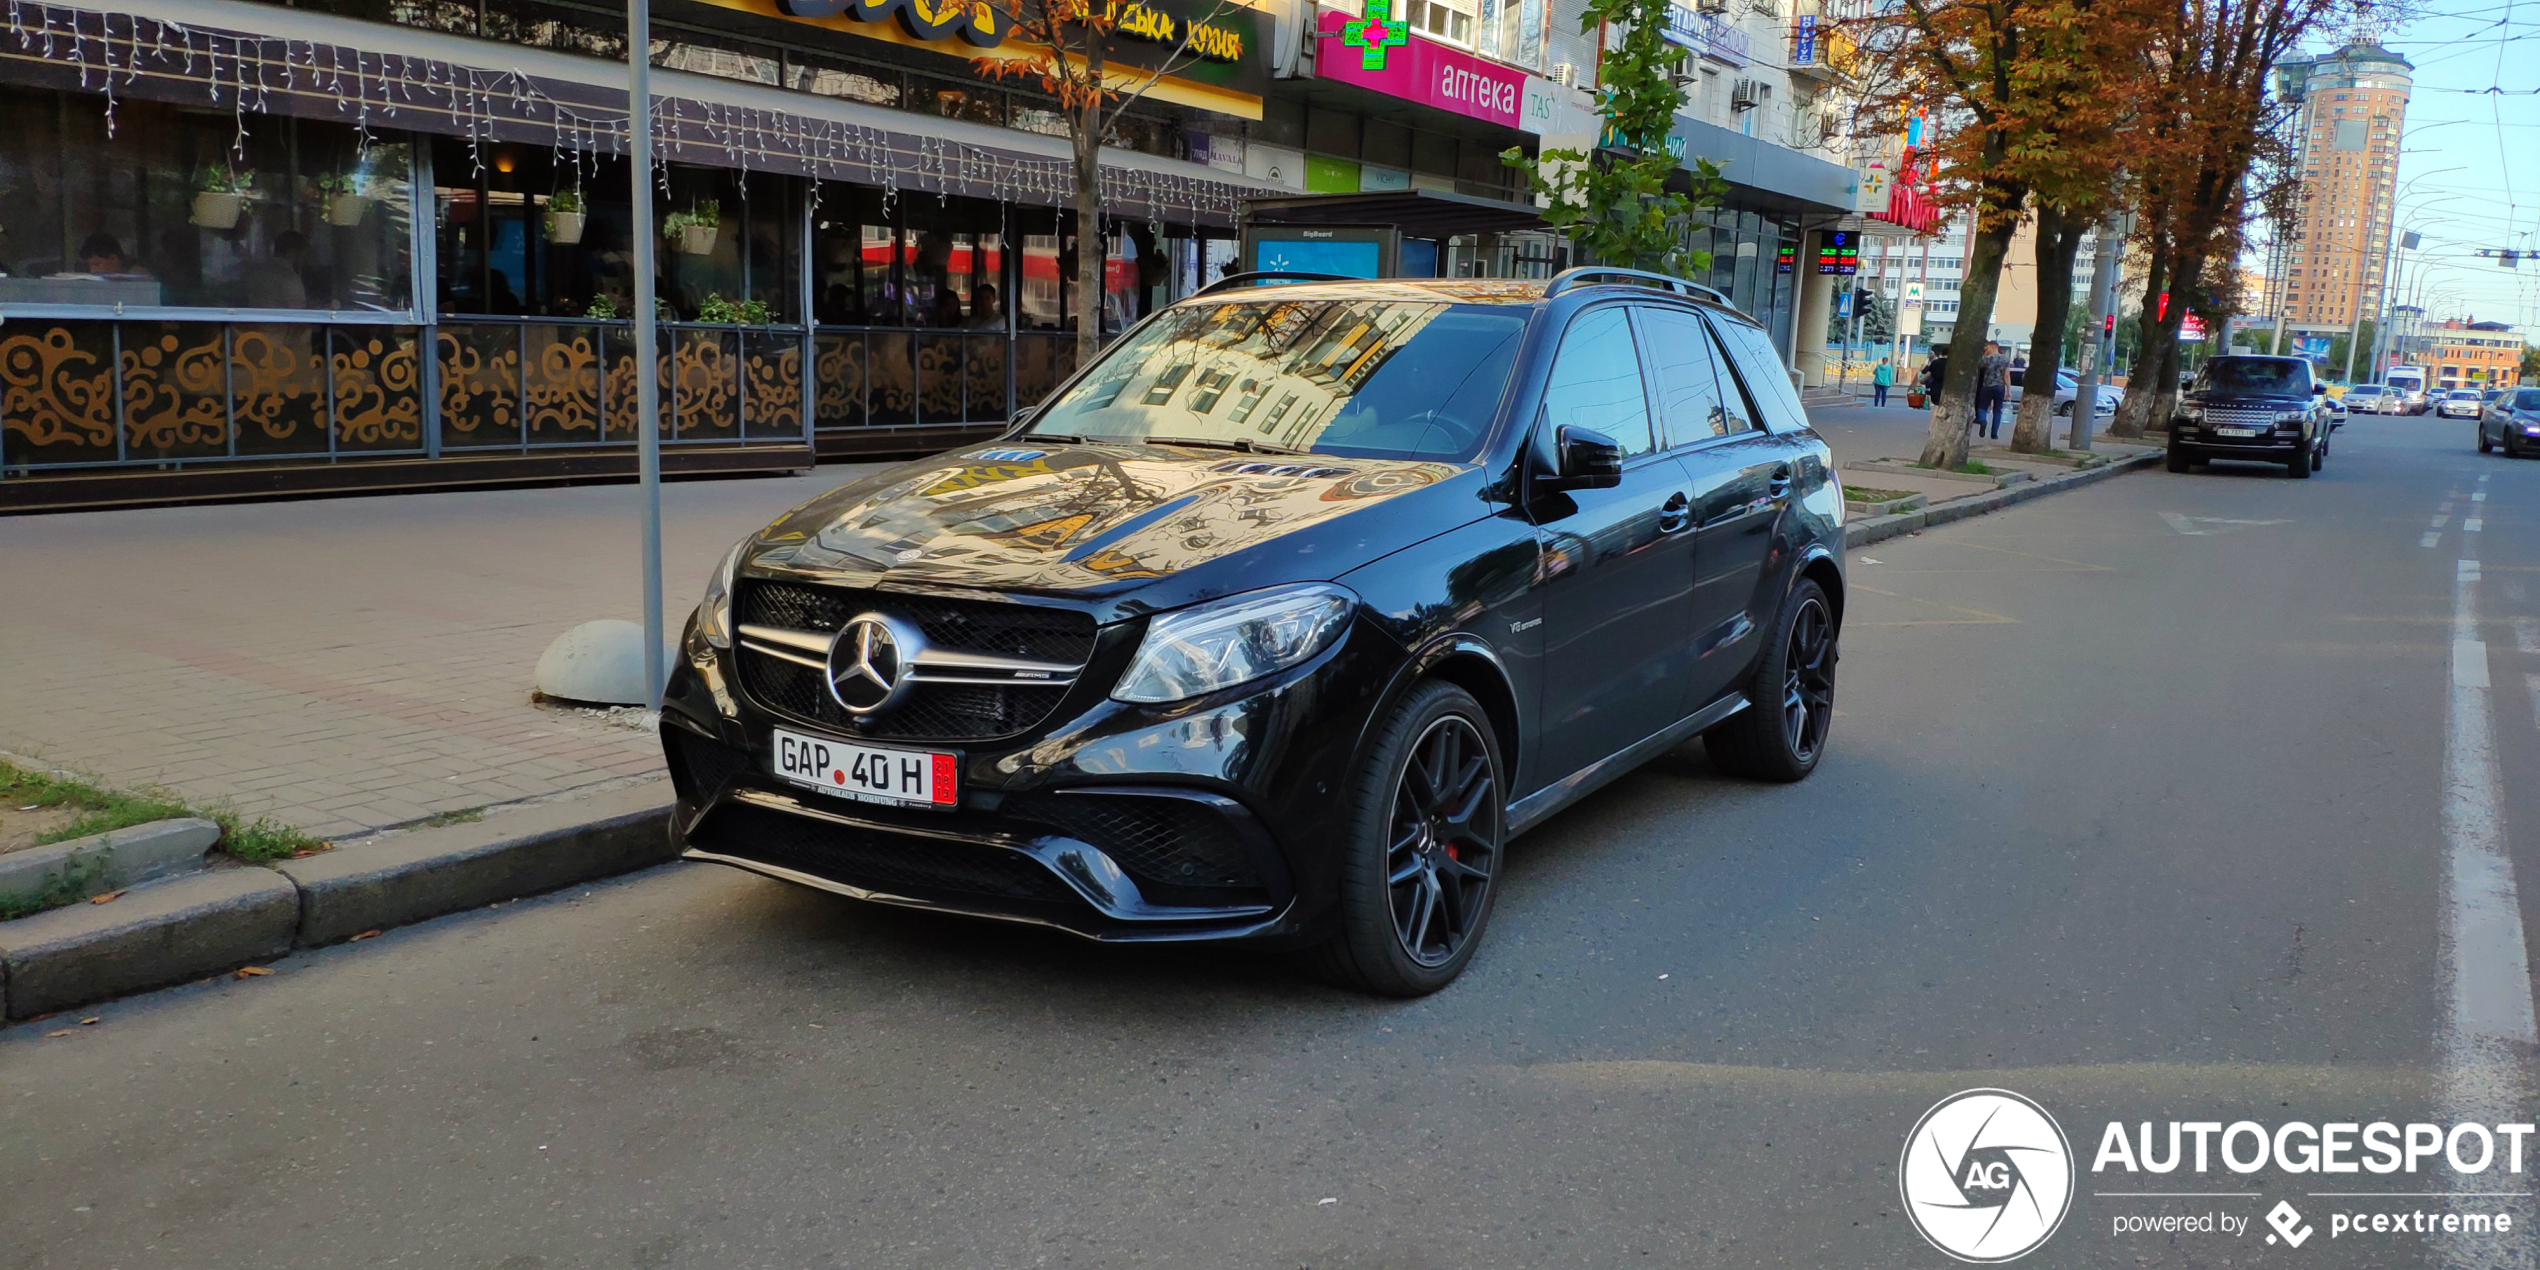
565	228
697	240
347	209
215	210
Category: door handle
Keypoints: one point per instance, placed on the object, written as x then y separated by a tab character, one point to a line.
1676	514
1780	484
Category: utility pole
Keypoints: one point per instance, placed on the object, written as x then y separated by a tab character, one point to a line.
2095	343
639	130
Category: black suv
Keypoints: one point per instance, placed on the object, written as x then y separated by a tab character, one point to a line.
2267	409
1279	620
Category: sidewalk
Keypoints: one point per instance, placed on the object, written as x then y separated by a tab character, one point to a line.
345	664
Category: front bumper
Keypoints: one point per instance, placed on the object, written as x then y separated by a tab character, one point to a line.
1208	819
2273	445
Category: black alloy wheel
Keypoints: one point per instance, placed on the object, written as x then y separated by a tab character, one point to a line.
1782	734
1428	820
1445	841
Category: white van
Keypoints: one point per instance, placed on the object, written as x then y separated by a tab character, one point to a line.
2409	383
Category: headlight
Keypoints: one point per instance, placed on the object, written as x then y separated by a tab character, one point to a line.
1226	642
714	615
2289	416
2191	413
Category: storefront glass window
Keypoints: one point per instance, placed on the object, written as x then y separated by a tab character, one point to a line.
177	209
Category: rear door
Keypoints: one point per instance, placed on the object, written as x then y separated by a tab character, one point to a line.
1741	476
1618	599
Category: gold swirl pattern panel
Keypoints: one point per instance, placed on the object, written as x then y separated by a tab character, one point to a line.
378	388
709	385
986	373
892	397
772	376
57	401
175	400
838	391
277	382
563	377
480	385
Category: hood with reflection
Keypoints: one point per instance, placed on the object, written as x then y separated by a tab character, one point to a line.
1073	517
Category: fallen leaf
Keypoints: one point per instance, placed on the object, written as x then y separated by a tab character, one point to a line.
368	934
1333	1199
815	1025
244	971
91	1021
64	1032
107	898
36	807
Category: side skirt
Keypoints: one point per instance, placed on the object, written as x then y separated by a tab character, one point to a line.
1535	808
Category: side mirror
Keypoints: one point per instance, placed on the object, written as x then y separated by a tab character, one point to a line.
1586	460
2319	390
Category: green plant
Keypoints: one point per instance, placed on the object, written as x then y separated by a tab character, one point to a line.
707	214
220	178
565	201
339	184
735	313
102	810
1973	467
1864	494
1618	210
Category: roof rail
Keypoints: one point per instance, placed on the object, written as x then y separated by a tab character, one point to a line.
1233	280
1586	275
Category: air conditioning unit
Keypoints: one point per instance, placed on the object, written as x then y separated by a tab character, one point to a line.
1565	74
1711	6
1747	94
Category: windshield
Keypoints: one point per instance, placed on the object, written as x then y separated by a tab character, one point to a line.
2527	399
1363	378
2255	376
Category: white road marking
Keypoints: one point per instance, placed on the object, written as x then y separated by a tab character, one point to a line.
2438	522
2190	525
2527	635
2480	496
2428	538
2484	958
2473	525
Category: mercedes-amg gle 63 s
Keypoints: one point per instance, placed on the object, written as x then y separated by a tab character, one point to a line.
1280	620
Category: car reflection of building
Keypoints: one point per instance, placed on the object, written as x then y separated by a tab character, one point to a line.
1274	370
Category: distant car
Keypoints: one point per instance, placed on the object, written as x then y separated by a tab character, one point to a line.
2511	422
2265	409
2067	387
2370	399
2459	403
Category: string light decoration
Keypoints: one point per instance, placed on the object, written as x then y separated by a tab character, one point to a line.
254	75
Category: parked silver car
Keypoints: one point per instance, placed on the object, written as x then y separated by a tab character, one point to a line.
2067	385
2374	399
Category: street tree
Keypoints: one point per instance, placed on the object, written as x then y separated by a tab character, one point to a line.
2005	79
1625	204
2208	119
1068	43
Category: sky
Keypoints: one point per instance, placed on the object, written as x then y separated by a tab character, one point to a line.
2469	159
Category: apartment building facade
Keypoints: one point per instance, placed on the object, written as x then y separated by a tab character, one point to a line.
2326	272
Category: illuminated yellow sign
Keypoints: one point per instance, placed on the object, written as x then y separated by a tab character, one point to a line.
973	20
1141	21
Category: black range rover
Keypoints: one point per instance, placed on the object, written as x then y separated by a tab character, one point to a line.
1280	620
2266	409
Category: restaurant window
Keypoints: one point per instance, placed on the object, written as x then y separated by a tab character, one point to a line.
177	209
524	230
922	261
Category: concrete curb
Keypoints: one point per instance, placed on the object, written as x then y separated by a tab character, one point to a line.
1880	528
172	931
105	861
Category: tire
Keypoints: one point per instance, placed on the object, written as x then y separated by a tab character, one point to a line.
1782	735
1418	871
2486	446
2319	457
2181	460
2299	466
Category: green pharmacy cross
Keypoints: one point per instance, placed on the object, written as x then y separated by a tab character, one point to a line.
1373	33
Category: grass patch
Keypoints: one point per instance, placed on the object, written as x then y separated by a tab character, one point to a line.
1864	494
463	816
103	810
1973	467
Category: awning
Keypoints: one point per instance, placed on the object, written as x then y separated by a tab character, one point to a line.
1418	213
260	59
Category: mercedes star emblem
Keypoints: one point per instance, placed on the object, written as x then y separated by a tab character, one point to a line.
865	664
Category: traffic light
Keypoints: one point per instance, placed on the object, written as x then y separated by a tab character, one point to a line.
2108	325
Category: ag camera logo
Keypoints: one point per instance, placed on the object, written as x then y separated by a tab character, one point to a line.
1987	1176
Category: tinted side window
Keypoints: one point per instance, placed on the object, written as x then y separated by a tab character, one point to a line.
1766	381
1693	403
1596	382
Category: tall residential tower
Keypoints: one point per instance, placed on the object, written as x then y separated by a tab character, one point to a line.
2354	102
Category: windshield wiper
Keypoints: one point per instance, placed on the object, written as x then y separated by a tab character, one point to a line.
1242	444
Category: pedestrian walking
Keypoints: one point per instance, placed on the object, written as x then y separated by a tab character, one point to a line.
1880	380
1935	373
1993	382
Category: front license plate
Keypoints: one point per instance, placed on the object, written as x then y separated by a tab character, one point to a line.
2235	432
867	773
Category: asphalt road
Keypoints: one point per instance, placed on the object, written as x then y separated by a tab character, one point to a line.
2138	805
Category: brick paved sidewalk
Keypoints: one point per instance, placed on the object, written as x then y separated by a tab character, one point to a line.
343	664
